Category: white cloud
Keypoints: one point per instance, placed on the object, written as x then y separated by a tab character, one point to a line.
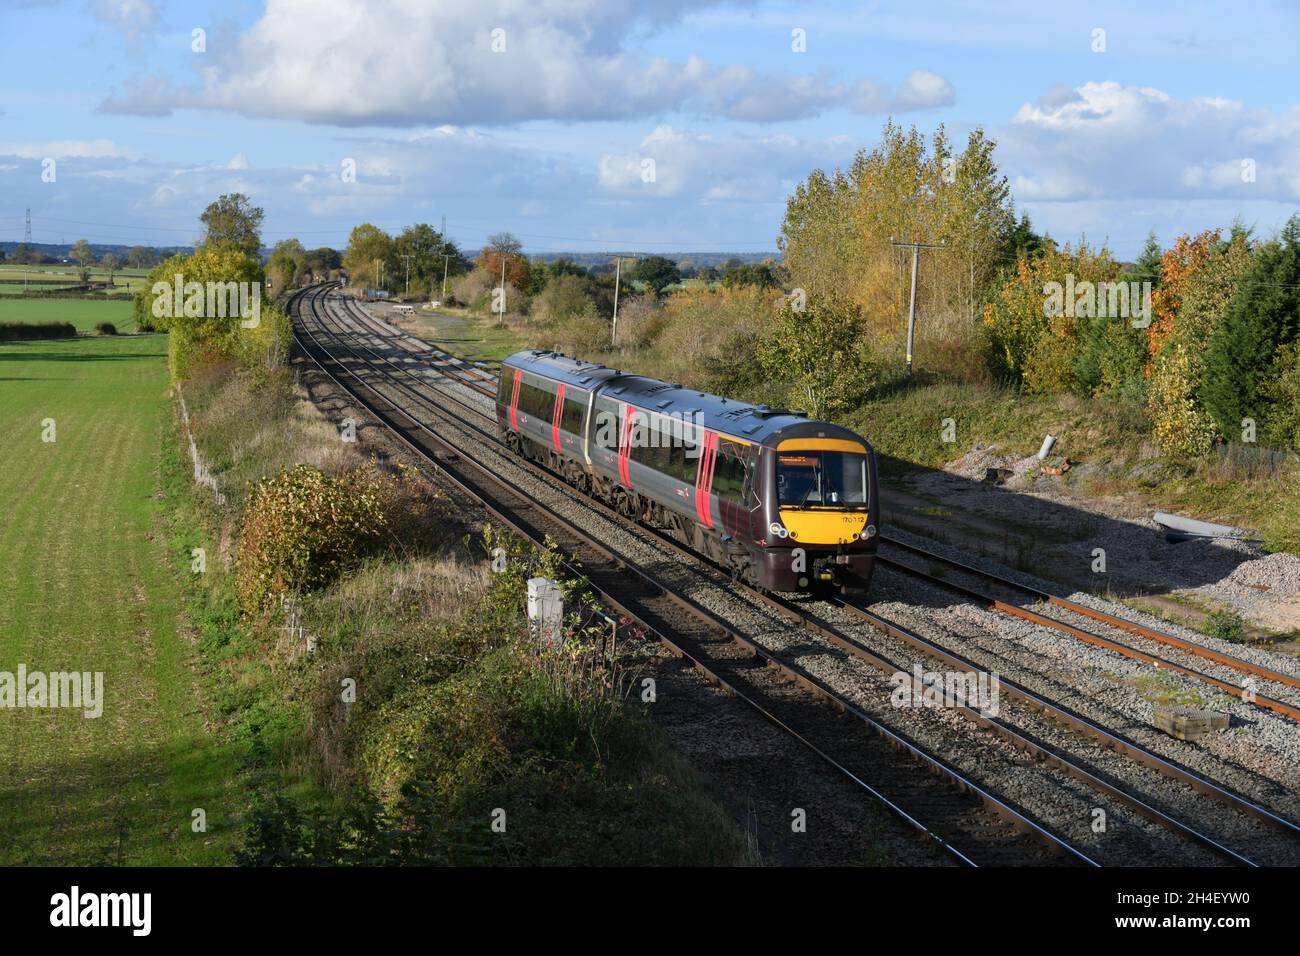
238	161
411	62
67	148
1107	141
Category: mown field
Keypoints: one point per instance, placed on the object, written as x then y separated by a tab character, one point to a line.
85	314
88	587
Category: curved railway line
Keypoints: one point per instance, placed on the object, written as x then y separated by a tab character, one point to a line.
688	628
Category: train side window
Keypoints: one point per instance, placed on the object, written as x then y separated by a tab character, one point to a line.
575	407
605	424
729	471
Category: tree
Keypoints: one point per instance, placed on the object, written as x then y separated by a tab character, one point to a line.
657	272
232	221
110	264
818	353
1263	316
839	227
141	257
503	247
284	263
22	254
762	274
369	255
505	242
1180	422
426	247
83	256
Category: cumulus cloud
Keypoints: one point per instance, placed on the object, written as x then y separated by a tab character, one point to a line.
1107	140
412	62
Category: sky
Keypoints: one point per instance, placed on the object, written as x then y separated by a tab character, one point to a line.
630	125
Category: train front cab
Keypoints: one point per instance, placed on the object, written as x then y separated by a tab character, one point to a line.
820	511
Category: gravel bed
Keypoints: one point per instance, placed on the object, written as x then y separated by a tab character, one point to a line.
1256	757
1284	663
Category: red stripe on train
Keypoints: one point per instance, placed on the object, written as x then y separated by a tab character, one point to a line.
704	478
514	401
555	418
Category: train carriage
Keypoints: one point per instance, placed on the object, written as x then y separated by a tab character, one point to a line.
787	502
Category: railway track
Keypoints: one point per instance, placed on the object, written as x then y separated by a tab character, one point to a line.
413	367
1244	692
965	822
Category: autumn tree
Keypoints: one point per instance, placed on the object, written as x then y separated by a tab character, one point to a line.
1180	422
1177	267
837	235
504	248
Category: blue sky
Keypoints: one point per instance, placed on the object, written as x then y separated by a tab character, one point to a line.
549	137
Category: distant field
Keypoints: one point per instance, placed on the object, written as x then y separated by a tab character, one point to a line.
88	587
85	314
125	280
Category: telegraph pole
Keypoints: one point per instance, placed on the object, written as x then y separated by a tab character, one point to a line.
911	308
445	260
618	267
407	257
503	287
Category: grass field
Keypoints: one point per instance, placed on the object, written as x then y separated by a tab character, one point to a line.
89	587
84	314
125	280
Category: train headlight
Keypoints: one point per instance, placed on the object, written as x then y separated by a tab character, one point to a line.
868	532
778	529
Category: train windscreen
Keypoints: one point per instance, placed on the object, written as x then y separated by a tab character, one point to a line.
822	479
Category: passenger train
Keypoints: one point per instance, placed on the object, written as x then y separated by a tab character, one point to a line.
783	501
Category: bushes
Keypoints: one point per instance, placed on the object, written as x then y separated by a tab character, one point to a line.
106	328
20	331
303	528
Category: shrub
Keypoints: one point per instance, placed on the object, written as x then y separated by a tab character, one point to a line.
1225	625
301	531
106	328
16	331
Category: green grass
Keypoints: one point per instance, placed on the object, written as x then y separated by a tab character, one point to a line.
480	337
85	314
89	587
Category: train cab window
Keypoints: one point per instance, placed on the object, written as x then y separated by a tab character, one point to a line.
506	385
822	479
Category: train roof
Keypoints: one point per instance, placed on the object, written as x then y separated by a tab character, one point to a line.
755	423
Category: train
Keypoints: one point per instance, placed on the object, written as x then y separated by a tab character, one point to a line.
785	502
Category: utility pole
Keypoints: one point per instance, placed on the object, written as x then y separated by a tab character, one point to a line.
911	308
618	267
445	260
407	257
503	287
